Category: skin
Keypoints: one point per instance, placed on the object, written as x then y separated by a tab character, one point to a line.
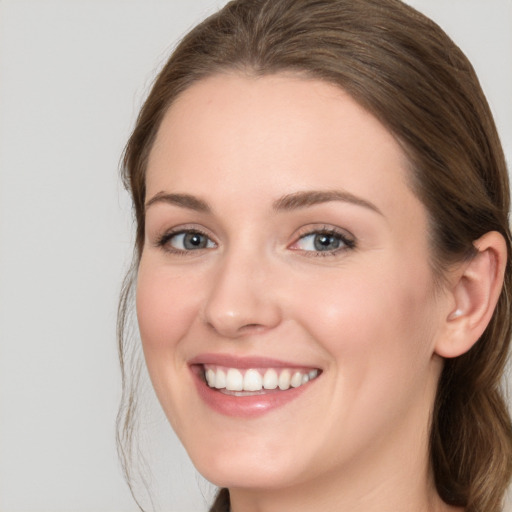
369	316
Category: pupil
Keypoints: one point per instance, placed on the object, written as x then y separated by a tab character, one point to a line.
323	242
194	241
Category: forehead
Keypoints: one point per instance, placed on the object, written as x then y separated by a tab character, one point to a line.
274	135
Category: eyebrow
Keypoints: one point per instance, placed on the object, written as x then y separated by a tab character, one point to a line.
294	201
304	199
183	200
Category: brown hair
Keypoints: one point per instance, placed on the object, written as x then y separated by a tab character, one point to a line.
406	71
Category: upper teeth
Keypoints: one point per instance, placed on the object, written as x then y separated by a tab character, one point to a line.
234	379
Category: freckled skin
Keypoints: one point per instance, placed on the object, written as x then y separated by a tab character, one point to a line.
367	316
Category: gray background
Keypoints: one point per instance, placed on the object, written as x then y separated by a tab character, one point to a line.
72	77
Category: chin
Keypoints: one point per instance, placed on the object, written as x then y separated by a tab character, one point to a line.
239	466
246	475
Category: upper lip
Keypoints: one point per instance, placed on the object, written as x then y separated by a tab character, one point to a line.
245	362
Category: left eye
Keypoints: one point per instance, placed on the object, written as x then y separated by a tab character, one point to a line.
322	242
190	241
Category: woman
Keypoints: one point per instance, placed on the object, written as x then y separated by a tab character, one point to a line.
322	272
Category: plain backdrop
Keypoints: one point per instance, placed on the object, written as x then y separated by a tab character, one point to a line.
73	75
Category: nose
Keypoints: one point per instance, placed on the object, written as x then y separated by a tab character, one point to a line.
242	297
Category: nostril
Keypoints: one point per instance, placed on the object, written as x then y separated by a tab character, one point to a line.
237	331
253	327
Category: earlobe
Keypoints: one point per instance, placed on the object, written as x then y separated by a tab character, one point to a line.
476	287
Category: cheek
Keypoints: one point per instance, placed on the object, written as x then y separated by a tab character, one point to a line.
381	317
376	328
164	308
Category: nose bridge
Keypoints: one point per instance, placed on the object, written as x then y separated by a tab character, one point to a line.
241	299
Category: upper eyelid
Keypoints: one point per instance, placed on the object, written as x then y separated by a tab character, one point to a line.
187	228
323	228
169	233
348	239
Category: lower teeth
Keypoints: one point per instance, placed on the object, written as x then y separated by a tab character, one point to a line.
243	393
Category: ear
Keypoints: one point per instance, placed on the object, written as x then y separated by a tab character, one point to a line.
474	291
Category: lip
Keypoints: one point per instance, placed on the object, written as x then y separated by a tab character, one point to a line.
245	362
244	406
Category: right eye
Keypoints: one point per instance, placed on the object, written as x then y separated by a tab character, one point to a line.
186	240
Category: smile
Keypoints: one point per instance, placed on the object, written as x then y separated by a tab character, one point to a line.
241	382
248	387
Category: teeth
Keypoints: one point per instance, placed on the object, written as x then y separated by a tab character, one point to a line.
210	377
284	380
270	379
252	380
220	379
296	380
233	379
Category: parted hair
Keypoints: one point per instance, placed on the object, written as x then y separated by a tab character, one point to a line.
401	67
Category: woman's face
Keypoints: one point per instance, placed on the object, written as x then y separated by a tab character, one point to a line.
287	258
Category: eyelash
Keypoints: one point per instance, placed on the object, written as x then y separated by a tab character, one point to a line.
163	240
348	242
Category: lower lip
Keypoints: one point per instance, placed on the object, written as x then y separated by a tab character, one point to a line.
246	406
